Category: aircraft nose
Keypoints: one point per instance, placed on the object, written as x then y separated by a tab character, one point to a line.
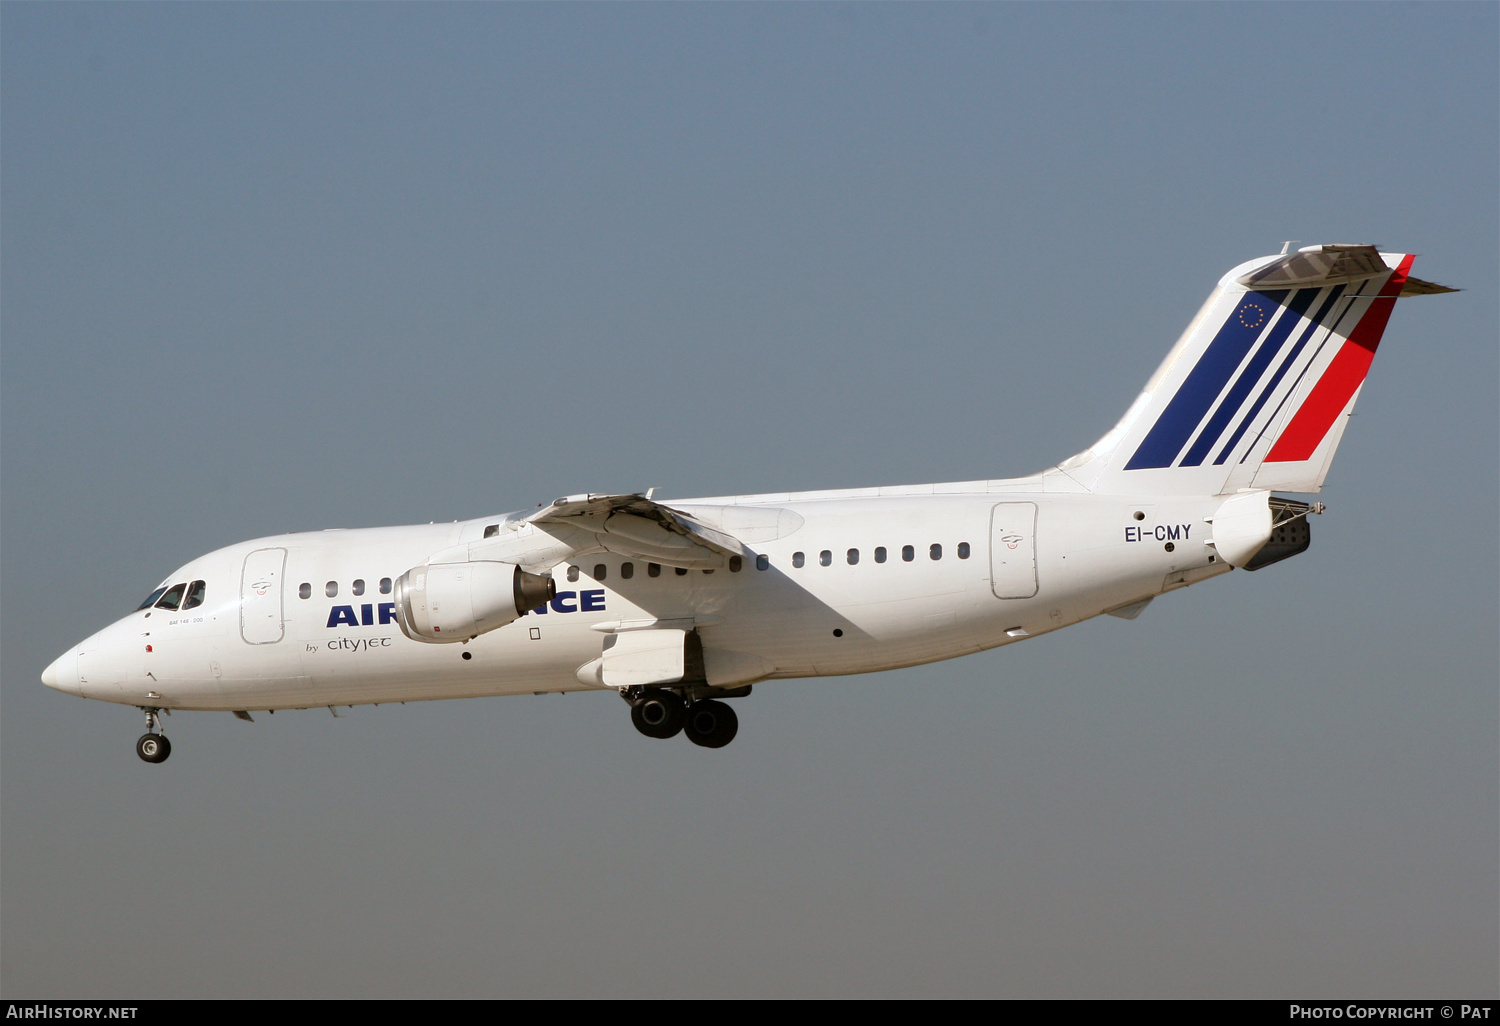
62	674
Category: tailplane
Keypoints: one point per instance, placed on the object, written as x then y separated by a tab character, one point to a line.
1257	392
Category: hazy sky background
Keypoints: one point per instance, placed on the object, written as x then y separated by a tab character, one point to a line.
286	267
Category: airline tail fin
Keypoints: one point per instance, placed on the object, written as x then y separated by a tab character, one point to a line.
1257	392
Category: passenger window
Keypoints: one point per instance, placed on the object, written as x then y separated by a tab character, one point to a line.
359	586
627	571
331	589
735	563
385	586
680	571
572	573
304	590
150	599
708	571
853	556
963	550
936	552
798	559
194	595
599	571
762	562
908	553
825	558
880	553
173	598
653	569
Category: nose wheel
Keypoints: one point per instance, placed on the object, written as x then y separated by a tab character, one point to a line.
153	746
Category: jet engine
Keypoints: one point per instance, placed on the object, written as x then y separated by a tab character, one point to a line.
446	602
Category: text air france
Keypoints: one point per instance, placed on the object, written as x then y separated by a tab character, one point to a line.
372	614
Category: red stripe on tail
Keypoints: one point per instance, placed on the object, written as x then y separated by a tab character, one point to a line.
1338	384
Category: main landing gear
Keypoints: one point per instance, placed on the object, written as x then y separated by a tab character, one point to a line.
152	746
659	713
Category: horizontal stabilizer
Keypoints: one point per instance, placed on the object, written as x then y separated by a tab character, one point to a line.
1316	265
1331	265
1418	287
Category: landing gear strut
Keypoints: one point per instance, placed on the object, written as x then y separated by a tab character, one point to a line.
153	747
659	713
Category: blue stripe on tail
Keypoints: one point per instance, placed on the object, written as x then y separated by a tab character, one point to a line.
1291	358
1212	431
1205	381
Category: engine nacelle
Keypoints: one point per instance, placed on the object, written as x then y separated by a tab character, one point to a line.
1241	527
448	602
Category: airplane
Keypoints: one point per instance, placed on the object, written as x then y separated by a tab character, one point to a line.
679	606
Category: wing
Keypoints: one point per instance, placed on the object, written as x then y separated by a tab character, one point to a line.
633	525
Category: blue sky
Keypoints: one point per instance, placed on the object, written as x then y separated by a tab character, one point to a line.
285	267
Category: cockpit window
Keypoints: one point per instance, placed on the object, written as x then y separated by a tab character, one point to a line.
173	598
194	595
150	600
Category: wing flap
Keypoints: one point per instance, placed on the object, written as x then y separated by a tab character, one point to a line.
633	525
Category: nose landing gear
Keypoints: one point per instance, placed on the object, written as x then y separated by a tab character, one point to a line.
151	746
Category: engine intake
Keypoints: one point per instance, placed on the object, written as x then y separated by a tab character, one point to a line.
451	602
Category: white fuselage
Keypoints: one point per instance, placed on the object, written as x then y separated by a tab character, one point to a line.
678	605
1035	561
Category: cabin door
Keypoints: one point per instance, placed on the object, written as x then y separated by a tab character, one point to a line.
1013	550
261	621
